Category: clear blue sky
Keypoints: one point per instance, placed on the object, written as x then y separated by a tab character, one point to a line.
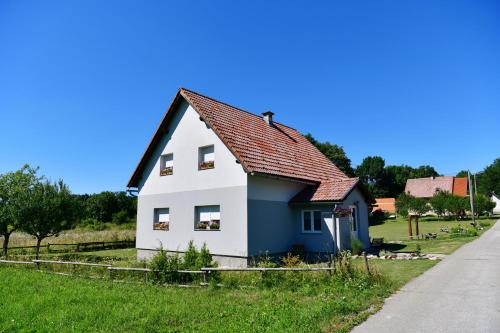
83	84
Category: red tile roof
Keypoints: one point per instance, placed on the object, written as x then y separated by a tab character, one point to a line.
460	186
427	187
327	190
274	149
385	204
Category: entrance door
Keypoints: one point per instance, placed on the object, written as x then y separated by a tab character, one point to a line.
327	218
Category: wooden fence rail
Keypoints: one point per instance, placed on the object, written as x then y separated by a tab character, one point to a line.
79	246
17	262
265	269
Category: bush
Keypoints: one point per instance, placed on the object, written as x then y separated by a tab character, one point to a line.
460	231
92	224
291	261
484	224
120	218
356	246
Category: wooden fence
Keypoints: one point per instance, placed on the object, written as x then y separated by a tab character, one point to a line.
205	271
82	246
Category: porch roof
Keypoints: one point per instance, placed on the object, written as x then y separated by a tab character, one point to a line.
327	191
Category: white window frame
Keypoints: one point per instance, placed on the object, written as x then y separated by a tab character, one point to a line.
163	163
215	213
156	218
311	214
201	157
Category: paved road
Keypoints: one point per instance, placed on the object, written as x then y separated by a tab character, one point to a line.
460	294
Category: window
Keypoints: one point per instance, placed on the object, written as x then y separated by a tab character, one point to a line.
207	217
166	164
311	221
206	157
161	219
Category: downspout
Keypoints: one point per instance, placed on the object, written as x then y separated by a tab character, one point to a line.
335	231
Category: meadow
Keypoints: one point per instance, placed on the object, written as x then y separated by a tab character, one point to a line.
36	301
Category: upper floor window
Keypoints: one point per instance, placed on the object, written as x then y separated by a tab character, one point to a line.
166	164
206	157
207	217
311	221
161	219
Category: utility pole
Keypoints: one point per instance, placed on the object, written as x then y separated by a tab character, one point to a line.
475	185
471	196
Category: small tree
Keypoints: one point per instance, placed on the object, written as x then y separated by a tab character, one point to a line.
439	202
457	206
418	206
403	203
50	210
483	204
13	193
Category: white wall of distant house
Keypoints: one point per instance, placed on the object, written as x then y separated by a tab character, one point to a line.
187	187
496	200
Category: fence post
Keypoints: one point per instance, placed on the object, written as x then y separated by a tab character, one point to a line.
366	264
48	247
110	274
330	259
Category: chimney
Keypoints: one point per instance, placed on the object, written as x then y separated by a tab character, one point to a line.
268	117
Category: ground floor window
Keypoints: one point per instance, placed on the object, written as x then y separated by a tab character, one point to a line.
207	217
161	219
311	221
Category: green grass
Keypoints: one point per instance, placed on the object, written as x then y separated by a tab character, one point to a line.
396	230
41	302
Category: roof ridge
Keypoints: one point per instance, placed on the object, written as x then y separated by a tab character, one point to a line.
234	107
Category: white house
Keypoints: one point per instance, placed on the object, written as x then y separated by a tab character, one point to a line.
496	199
241	183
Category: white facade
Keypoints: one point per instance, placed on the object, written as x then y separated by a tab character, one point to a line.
253	211
496	200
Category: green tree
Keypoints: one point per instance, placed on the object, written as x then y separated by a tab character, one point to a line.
13	194
483	204
334	153
457	206
403	203
489	179
439	202
50	209
418	206
462	173
372	173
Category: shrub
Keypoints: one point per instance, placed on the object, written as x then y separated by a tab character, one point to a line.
291	261
120	218
92	224
484	224
204	258
460	231
356	246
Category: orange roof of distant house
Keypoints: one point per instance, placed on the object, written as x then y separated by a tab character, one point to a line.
427	187
385	204
460	186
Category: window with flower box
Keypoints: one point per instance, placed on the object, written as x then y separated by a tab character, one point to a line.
206	157
161	219
167	164
207	218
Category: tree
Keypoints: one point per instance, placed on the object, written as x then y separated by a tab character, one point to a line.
457	206
372	173
483	204
418	206
334	153
439	202
489	179
402	203
462	173
50	210
13	189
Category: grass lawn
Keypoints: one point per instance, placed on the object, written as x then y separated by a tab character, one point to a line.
40	302
396	230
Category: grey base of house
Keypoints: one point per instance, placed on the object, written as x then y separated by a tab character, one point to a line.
236	261
222	260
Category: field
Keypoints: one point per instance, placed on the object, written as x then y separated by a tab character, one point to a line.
395	232
34	301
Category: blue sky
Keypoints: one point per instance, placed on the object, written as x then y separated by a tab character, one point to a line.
83	84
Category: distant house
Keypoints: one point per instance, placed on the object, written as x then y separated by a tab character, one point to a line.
496	199
427	187
243	184
386	205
